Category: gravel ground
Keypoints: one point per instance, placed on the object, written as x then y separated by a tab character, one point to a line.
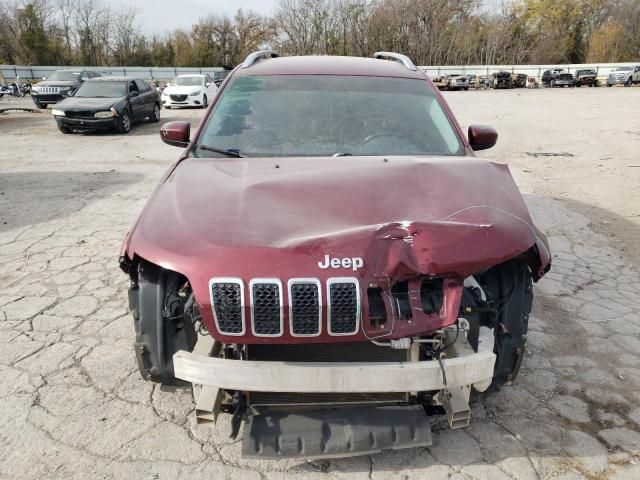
72	404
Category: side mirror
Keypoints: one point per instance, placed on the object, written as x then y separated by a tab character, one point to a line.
208	84
176	134
482	137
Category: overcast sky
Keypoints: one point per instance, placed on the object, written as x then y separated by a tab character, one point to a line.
159	16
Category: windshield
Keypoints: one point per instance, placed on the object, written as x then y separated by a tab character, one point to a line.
187	81
622	69
324	115
64	76
101	89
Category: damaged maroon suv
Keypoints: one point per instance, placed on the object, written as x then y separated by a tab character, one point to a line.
328	262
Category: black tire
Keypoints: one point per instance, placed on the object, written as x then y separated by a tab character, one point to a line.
205	101
510	286
155	115
609	85
168	107
553	83
124	123
629	82
160	325
41	106
64	130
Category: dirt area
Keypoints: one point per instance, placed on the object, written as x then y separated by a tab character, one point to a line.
72	404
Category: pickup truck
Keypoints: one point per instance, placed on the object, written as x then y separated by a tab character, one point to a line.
626	76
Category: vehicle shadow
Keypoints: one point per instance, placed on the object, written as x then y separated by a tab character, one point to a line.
57	194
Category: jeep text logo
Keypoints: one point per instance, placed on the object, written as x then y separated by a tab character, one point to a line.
354	263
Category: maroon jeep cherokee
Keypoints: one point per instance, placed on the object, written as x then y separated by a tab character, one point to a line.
328	261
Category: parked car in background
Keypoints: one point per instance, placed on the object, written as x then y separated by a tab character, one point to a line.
189	91
563	80
107	103
59	85
473	80
501	80
626	76
458	82
519	80
218	77
441	82
550	75
586	77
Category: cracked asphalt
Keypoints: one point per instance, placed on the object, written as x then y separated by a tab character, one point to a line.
72	404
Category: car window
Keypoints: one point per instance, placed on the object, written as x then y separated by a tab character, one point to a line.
142	86
133	87
307	115
194	81
100	89
64	76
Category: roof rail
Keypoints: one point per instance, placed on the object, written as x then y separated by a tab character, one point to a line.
398	57
256	56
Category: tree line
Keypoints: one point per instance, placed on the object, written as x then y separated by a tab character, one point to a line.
431	32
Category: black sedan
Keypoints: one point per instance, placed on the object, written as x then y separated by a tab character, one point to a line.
106	103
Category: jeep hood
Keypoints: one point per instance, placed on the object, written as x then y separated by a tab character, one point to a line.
269	218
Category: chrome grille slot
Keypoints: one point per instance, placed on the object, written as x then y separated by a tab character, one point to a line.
266	307
305	307
343	304
227	301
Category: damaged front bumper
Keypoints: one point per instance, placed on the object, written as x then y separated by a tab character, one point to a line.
336	432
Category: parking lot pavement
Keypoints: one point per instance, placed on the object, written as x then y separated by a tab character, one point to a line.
74	406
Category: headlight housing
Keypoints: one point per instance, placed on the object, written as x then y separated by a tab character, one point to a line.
195	92
58	113
112	112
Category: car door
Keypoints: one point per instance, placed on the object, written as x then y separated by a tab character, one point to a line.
148	98
136	101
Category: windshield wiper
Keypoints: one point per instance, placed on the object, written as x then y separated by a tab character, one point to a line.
342	154
229	152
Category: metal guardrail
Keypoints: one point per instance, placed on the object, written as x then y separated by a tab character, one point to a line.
11	72
602	69
37	72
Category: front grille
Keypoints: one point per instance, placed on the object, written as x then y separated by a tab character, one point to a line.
343	307
304	308
48	90
266	303
178	98
227	299
80	114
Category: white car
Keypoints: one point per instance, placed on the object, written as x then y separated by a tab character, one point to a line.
189	91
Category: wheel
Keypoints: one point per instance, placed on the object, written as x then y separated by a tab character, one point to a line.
162	320
596	83
155	116
579	85
168	107
124	126
64	130
510	286
205	102
609	85
553	83
629	82
466	89
41	106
